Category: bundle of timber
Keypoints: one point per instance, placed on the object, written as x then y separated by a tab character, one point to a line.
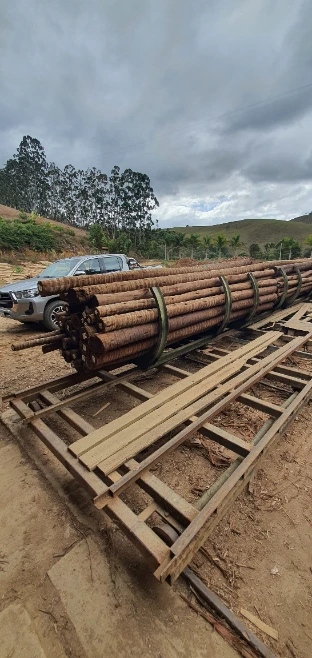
117	317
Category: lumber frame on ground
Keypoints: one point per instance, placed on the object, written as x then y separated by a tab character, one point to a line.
193	524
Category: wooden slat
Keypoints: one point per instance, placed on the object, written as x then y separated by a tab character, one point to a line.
119	455
148	511
293	372
53	385
298	325
76	421
135	391
261	405
130	435
305	308
273	317
146	540
93	484
171	444
172	370
161	492
98	436
111	446
294	382
165	406
224	438
196	533
94	389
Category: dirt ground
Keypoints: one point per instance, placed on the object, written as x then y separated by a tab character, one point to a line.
259	558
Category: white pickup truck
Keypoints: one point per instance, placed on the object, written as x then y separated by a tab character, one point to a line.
21	300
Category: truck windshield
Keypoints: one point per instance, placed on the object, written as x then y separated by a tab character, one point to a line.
60	268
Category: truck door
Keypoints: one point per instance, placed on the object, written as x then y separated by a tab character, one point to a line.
112	263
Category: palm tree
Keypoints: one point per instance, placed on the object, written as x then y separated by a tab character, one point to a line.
194	243
236	243
309	242
220	242
179	243
289	243
167	240
280	245
267	247
207	240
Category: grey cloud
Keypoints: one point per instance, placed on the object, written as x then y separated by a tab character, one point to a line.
165	88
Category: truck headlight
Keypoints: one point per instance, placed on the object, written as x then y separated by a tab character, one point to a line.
31	292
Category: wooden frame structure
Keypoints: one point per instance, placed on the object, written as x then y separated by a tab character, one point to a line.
109	460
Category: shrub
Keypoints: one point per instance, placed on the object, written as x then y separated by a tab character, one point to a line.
18	235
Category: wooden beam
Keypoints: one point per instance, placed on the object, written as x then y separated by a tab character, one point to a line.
224	438
173	443
261	405
92	443
196	533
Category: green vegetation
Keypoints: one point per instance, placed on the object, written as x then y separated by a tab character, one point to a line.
96	237
25	233
121	201
171	244
253	231
309	243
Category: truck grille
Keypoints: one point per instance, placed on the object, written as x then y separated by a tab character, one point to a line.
5	300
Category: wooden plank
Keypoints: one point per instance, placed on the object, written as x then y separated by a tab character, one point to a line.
117	457
93	484
195	534
172	370
138	532
298	325
261	405
94	389
148	511
293	372
273	317
166	410
260	624
98	436
189	431
130	435
53	385
115	445
163	494
149	483
294	382
146	540
76	421
304	308
135	391
224	438
184	373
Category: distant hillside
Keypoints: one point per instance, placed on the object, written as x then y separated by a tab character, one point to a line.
255	230
304	219
12	213
29	237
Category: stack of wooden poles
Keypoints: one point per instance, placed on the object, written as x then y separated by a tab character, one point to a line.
113	318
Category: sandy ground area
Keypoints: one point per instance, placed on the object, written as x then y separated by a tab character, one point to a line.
71	585
62	565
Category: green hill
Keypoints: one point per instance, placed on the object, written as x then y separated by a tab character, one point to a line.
303	219
255	230
26	235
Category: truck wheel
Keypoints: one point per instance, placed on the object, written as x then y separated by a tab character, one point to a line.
50	311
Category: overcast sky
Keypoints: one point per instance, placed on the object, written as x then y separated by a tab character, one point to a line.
211	98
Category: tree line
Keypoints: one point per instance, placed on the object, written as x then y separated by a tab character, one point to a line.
120	202
166	244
